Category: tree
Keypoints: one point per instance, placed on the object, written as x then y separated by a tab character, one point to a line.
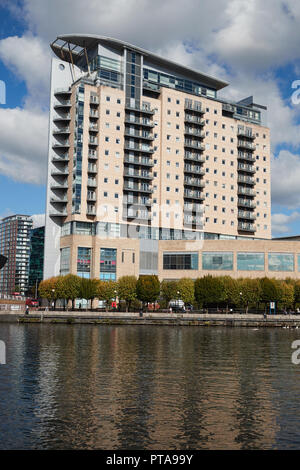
47	289
127	289
88	289
148	288
69	287
230	291
186	288
107	290
297	292
209	290
168	290
269	291
250	292
286	294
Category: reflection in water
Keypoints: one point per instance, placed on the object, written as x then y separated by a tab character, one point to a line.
148	387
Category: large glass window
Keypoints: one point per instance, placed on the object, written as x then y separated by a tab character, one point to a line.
180	260
64	261
83	228
84	262
281	262
108	264
217	261
250	261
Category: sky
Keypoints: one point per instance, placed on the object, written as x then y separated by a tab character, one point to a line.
252	44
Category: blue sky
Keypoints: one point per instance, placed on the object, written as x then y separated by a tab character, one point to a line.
251	44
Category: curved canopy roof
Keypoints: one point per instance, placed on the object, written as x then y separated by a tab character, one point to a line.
71	48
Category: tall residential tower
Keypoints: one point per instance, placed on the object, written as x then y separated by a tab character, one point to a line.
147	165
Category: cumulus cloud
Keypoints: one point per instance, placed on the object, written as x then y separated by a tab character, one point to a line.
285	180
38	220
281	222
23	144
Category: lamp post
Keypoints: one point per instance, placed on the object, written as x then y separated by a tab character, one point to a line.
241	297
53	292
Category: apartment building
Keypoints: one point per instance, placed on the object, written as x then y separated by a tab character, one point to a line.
15	246
147	164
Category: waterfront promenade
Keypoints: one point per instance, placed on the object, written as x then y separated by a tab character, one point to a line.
117	318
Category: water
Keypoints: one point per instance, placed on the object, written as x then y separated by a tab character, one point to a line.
148	387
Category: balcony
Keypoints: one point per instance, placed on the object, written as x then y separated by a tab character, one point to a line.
91	197
228	108
246	191
189	194
93	141
138	215
194	157
138	148
137	188
246	156
194	132
56	185
62	91
249	203
92	169
245	227
190	207
58	214
94	114
92	155
193	221
246	145
141	109
246	168
61	131
60	144
246	179
62	104
245	133
194	182
57	172
137	201
246	215
197	108
138	161
91	210
137	174
58	200
194	170
61	158
94	100
194	119
62	117
93	128
92	183
138	135
193	144
138	122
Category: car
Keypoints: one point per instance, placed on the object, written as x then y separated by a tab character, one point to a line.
32	302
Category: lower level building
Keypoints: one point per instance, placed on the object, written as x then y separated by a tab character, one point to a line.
110	258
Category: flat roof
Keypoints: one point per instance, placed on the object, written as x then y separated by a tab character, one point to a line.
70	48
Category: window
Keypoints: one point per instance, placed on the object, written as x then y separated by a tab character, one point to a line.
180	260
218	261
281	262
108	264
83	262
250	261
64	261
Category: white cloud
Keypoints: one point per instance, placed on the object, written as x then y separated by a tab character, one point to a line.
29	58
23	144
38	220
285	180
281	222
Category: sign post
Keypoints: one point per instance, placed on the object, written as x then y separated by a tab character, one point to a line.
272	307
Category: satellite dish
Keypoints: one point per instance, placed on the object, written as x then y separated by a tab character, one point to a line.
3	260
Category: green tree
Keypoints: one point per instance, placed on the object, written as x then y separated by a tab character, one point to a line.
249	292
48	289
107	290
186	288
168	290
127	290
286	294
69	287
209	290
148	288
297	292
88	289
269	291
230	291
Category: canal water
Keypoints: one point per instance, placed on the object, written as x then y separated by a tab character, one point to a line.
148	387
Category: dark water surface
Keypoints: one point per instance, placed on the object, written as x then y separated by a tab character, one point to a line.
148	387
